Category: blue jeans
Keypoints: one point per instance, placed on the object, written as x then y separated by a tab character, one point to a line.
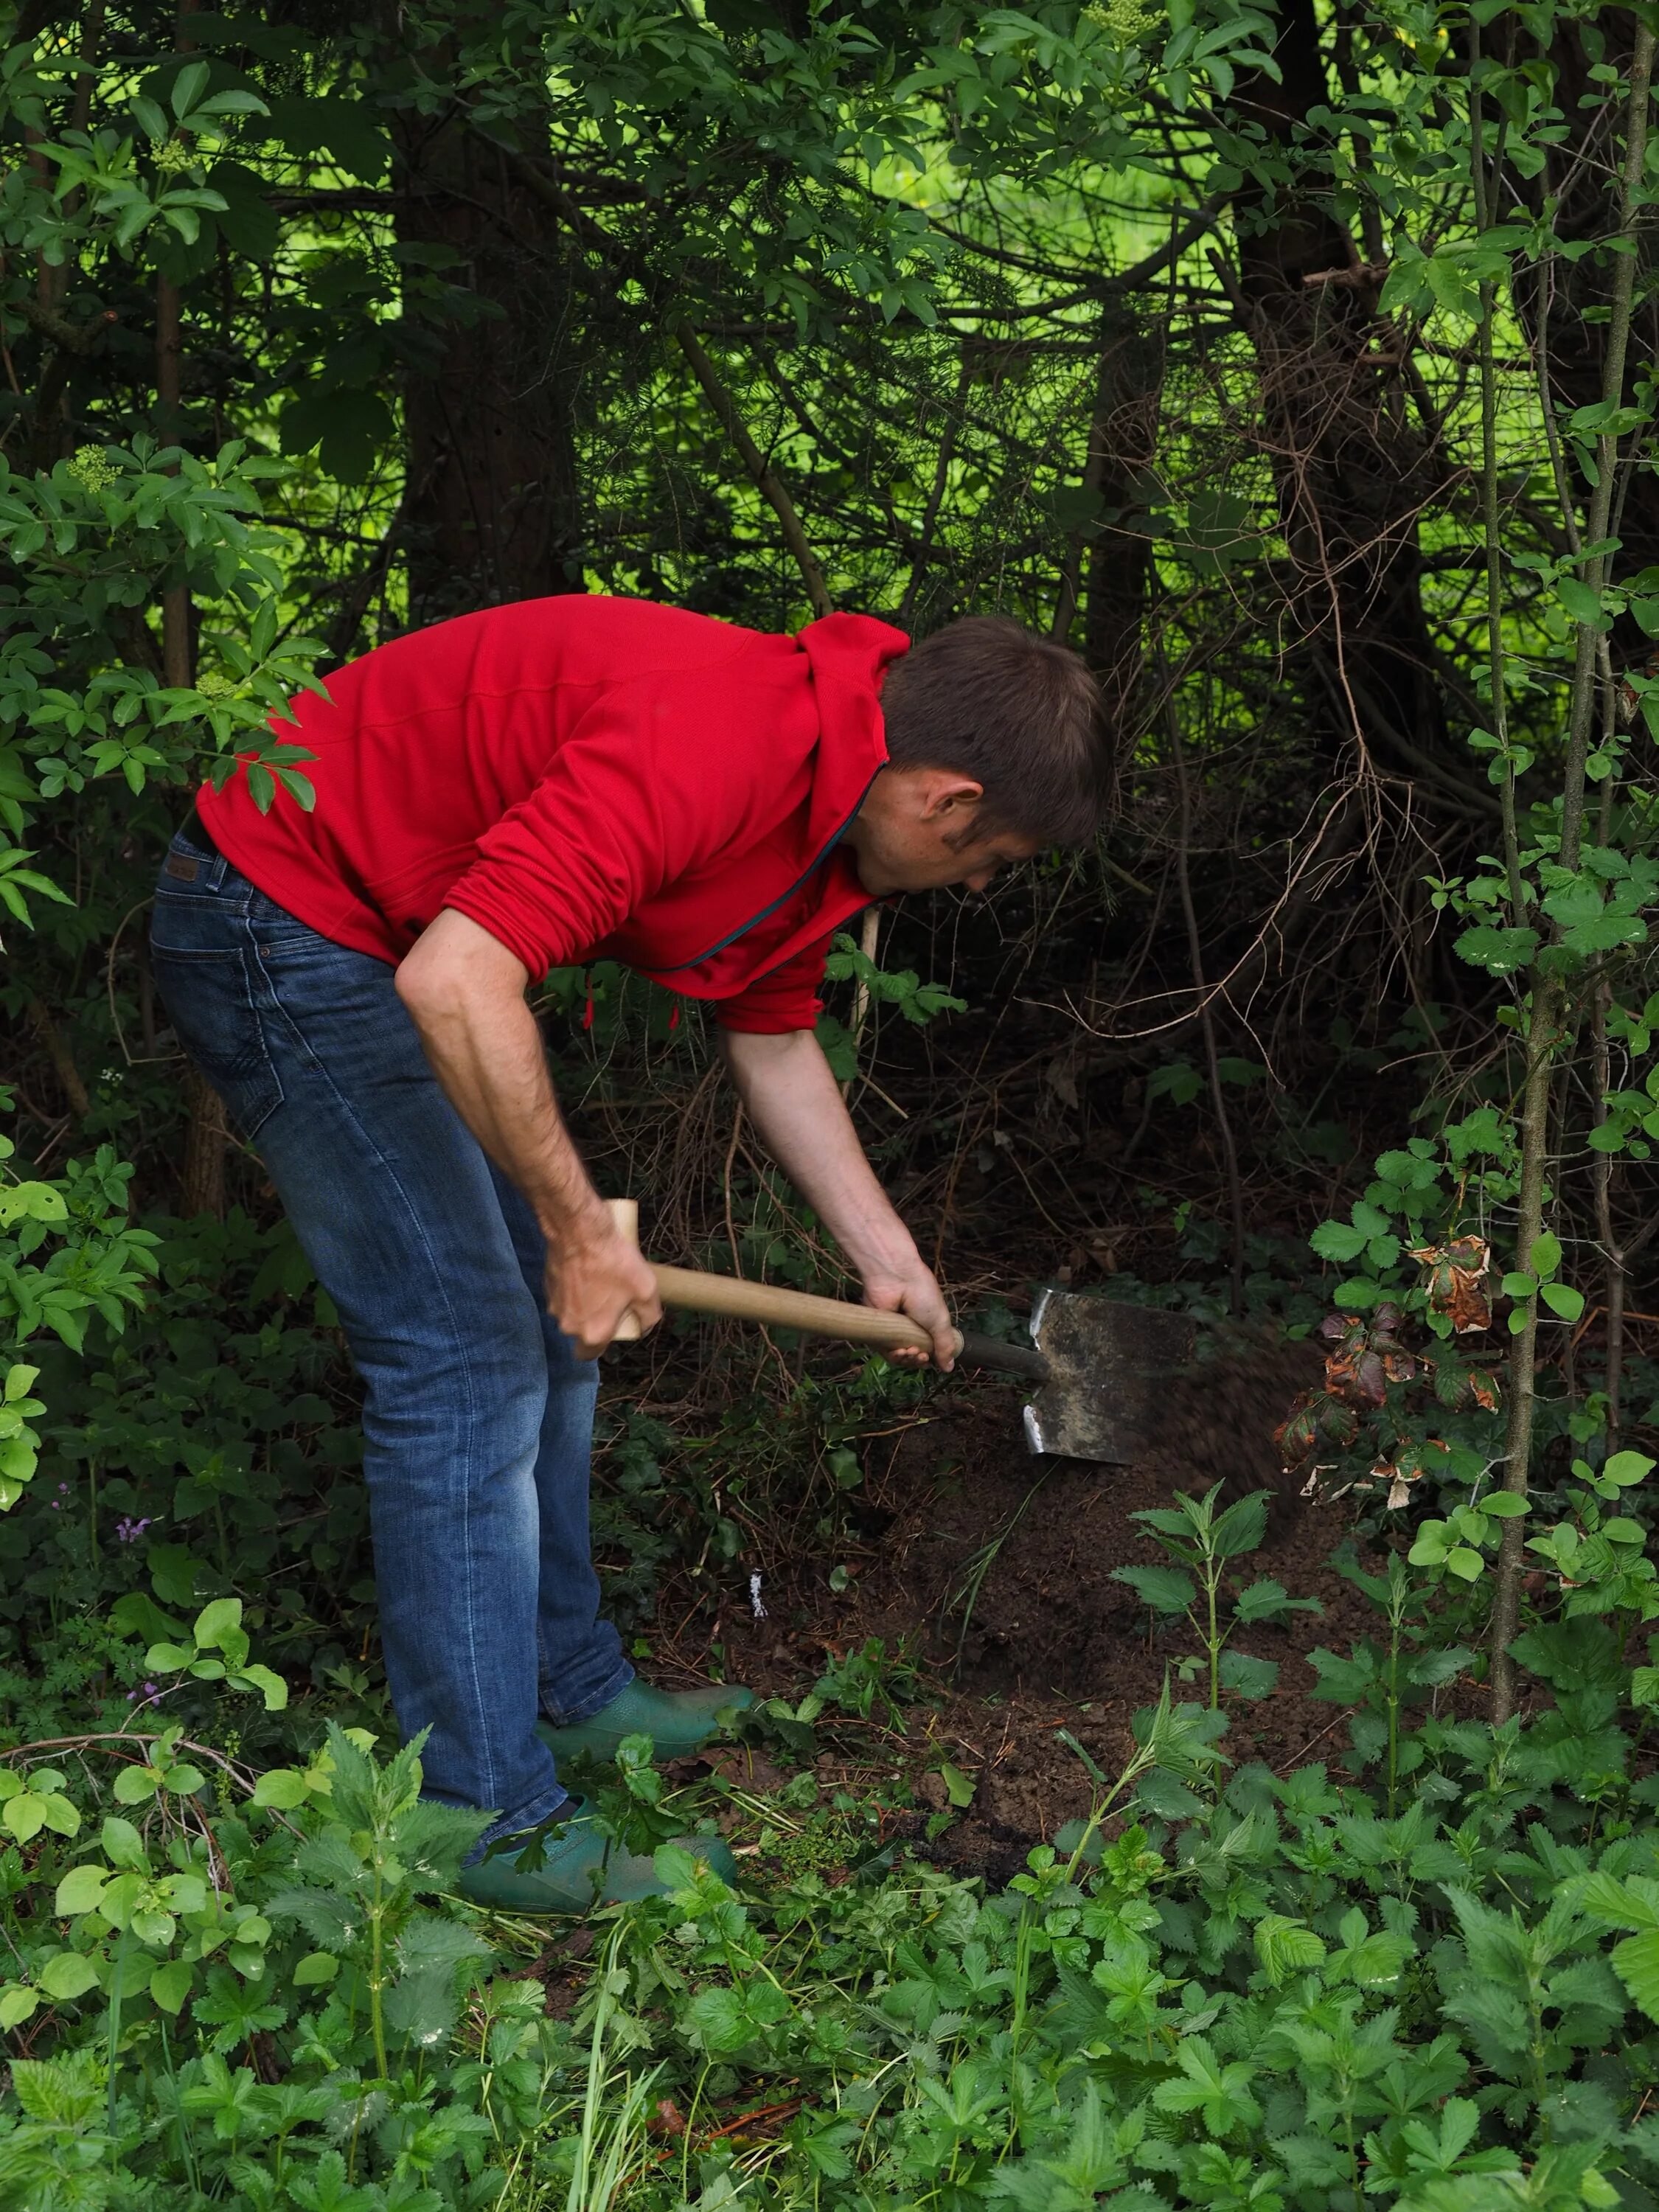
478	1418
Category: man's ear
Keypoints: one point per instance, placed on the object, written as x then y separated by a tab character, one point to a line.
947	791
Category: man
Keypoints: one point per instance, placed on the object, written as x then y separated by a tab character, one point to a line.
538	786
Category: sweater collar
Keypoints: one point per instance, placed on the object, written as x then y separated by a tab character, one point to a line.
848	656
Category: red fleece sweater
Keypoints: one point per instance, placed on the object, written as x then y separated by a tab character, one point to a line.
589	778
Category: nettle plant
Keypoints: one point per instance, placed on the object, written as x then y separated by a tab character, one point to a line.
255	2004
1205	1536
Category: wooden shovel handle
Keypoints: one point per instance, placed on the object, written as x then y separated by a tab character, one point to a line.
732	1298
730	1295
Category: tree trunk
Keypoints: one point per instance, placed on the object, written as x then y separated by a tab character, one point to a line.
202	1187
1352	468
1119	569
491	512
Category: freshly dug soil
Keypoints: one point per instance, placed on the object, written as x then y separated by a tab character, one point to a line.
992	1570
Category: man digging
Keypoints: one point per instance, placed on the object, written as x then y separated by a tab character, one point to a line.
540	786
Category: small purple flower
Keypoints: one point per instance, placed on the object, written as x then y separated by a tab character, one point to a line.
128	1531
151	1691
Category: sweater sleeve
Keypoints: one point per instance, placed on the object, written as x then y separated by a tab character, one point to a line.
785	998
637	797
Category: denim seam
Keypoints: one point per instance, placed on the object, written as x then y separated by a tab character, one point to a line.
573	1717
471	1383
510	1824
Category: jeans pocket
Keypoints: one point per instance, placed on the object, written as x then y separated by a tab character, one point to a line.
204	986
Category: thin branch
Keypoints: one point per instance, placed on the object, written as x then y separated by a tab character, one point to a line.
765	476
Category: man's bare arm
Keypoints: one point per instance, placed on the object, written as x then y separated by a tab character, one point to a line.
465	993
795	1101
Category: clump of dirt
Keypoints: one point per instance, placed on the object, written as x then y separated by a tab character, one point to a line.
994	1570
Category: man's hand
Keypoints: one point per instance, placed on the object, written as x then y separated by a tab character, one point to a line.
915	1292
592	1283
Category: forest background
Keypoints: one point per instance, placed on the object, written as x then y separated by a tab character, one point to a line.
1299	366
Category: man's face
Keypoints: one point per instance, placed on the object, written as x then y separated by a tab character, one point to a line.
916	832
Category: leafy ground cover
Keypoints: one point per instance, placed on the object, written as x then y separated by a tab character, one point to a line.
995	1939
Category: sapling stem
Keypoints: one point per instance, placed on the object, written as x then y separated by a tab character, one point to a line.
1547	995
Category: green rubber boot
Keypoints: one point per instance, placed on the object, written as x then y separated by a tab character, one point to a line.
580	1868
677	1722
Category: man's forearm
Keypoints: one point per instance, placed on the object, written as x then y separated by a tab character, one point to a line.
795	1101
466	1001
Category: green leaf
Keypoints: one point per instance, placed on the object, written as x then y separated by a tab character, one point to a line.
1562	1299
17	2004
123	1845
166	1658
1163	1589
1337	1240
68	1974
1625	1467
80	1890
1545	1257
1285	1946
959	1787
1242	1527
1636	1962
1499	951
215	1621
316	1967
270	1686
283	1787
170	1985
1270	1601
1582	603
1248	1677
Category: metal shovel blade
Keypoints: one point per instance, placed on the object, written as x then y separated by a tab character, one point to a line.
1112	1370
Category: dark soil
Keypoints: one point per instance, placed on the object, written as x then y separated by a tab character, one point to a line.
1049	1641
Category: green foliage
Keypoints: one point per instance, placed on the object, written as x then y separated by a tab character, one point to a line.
235	1977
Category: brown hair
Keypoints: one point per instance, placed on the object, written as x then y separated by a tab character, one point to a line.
1021	715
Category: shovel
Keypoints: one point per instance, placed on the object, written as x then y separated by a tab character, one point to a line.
1104	1371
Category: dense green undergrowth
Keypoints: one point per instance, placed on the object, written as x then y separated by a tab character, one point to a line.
1426	1976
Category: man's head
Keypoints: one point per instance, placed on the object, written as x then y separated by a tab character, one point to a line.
999	747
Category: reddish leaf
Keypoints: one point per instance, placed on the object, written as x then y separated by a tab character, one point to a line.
1453	1281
